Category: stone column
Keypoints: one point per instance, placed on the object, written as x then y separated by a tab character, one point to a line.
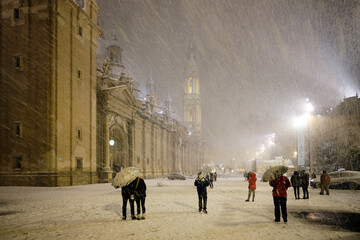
106	173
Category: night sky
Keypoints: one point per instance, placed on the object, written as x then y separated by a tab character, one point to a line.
258	60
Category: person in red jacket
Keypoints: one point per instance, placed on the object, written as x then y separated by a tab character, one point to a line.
252	186
280	185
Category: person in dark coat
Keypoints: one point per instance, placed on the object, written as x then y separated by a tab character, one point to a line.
127	194
211	180
280	185
201	183
140	195
295	182
215	176
305	184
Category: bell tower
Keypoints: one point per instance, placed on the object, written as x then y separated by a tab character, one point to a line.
192	103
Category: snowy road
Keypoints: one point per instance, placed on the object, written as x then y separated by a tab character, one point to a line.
94	212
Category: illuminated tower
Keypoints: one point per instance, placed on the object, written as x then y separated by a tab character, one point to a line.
192	104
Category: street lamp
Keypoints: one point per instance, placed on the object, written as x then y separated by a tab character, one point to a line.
309	110
300	123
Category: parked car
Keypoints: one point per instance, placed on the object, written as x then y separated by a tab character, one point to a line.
176	176
340	180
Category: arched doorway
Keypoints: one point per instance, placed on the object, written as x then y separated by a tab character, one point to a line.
119	151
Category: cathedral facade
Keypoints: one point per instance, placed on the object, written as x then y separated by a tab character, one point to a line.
62	121
137	131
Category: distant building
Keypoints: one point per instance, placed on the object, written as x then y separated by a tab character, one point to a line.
335	137
142	132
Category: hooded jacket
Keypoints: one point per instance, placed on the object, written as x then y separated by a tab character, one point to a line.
252	181
280	186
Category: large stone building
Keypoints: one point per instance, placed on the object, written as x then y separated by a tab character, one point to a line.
335	137
48	92
62	122
136	131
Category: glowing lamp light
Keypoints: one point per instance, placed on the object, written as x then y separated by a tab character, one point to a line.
112	142
301	121
309	107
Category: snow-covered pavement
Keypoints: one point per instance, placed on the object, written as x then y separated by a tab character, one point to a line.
94	212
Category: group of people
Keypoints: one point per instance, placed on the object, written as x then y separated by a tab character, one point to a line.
300	180
134	192
280	186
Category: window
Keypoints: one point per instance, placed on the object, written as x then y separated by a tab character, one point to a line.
18	129
79	74
196	85
17	162
79	136
16	14
17	62
190	85
80	31
79	163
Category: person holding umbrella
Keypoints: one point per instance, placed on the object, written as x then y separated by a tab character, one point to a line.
125	179
127	193
280	185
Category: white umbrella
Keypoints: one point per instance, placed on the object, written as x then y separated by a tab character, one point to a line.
125	177
274	172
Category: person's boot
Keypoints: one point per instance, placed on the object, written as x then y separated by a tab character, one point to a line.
133	217
246	200
143	216
138	217
124	218
204	211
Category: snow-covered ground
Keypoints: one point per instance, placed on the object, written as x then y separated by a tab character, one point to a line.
94	212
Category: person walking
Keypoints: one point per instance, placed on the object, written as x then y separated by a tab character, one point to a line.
280	185
127	193
252	186
215	176
140	195
325	182
201	183
211	180
305	184
295	182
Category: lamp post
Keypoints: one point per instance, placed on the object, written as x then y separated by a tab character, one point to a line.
300	123
309	110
